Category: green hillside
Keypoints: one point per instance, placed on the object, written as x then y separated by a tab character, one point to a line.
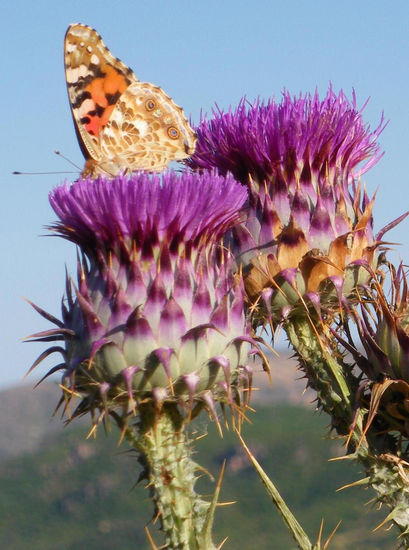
74	493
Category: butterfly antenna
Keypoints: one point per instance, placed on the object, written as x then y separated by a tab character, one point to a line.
17	173
67	159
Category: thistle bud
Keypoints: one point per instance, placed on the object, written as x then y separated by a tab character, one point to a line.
383	327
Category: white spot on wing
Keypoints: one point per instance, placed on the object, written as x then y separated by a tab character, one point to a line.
83	71
86	106
75	73
72	75
116	116
142	126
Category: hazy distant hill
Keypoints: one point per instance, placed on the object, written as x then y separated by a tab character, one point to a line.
25	418
60	491
25	412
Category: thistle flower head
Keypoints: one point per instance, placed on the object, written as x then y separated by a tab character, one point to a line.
297	142
157	314
144	213
308	224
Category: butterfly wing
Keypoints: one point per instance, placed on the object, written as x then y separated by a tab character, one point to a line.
146	130
95	81
122	124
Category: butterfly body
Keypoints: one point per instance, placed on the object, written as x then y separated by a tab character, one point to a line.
122	124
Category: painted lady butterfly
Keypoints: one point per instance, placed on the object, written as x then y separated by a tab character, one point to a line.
122	124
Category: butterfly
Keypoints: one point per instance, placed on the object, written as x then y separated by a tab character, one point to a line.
122	124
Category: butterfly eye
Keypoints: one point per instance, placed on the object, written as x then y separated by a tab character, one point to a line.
150	105
173	132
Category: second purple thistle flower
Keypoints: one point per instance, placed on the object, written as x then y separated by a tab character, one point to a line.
308	228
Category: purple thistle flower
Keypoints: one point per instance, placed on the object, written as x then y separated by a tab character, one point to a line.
293	143
299	160
146	210
157	313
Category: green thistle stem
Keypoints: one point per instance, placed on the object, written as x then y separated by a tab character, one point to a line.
336	386
327	374
165	452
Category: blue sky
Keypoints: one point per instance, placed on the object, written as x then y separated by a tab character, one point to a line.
201	53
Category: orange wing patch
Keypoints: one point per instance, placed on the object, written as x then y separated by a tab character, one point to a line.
104	93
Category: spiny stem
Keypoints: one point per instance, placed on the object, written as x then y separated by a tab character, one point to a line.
329	376
165	452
